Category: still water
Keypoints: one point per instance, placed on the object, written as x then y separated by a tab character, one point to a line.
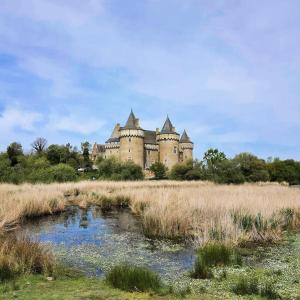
93	242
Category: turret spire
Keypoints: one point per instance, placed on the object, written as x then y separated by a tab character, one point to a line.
185	138
168	127
131	122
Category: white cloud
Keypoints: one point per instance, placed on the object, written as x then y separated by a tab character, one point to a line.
15	118
79	124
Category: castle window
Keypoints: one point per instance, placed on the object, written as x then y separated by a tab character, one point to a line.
129	141
129	150
148	152
175	150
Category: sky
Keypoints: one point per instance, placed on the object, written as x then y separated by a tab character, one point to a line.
227	71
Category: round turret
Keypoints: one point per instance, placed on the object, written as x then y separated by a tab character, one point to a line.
186	147
168	140
132	141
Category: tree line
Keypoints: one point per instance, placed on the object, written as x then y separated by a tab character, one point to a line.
62	163
244	167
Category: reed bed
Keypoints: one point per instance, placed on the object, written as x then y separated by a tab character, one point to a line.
199	211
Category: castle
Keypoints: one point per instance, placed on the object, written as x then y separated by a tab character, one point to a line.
145	147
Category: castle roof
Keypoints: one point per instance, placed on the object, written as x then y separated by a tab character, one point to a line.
150	137
131	122
168	127
100	148
185	138
114	138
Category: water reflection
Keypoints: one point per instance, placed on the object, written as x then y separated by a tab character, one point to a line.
94	242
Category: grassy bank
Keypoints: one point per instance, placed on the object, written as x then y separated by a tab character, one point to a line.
199	210
267	273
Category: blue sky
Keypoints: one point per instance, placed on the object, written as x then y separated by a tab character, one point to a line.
227	71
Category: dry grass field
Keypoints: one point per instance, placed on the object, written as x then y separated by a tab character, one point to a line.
199	211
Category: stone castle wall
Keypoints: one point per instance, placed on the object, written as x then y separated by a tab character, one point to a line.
151	155
187	151
112	149
132	146
168	149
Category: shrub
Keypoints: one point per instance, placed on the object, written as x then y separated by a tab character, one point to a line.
61	173
159	170
114	169
179	171
132	278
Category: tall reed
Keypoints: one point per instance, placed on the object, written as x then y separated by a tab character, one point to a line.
200	211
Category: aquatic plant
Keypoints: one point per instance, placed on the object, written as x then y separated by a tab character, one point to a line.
213	254
246	286
133	278
268	290
251	286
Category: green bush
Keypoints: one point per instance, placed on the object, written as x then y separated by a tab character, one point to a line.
113	169
132	278
179	171
61	173
159	170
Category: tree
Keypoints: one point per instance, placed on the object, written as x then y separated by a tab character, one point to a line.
113	169
213	156
253	168
180	170
211	160
284	170
61	173
39	145
59	154
85	148
159	170
228	171
14	151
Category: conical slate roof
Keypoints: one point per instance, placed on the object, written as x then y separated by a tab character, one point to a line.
168	127
131	122
184	138
115	135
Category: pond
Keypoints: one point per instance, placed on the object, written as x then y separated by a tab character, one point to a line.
93	242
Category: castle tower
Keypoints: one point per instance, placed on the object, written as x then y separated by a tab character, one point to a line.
112	145
168	140
132	141
186	147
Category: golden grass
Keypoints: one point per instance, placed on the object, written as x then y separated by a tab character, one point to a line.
23	256
197	210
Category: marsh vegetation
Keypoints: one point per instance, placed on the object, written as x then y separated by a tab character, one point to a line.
217	220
